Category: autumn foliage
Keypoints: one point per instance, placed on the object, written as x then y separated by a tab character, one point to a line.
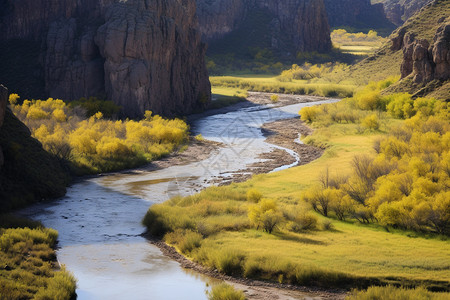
406	184
96	144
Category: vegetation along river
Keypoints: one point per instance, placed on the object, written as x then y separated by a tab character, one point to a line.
99	220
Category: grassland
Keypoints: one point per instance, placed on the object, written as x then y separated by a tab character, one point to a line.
29	269
356	43
217	227
270	84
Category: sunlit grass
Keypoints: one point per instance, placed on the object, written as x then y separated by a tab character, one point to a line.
272	85
345	254
28	269
358	50
356	250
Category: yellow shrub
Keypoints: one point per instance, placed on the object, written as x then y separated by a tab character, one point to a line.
371	122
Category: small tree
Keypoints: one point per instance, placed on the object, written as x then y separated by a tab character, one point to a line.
274	98
265	214
320	198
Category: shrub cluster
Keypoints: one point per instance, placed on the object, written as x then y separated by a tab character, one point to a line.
342	37
95	144
299	88
406	184
28	268
225	291
309	71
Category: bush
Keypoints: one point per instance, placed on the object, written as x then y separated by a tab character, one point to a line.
274	98
303	221
229	262
371	122
309	113
184	240
253	196
225	291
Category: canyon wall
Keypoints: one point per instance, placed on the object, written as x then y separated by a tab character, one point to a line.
142	54
292	25
398	11
424	61
358	14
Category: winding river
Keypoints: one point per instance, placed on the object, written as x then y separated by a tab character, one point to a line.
99	220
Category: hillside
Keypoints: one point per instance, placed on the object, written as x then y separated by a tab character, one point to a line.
399	50
27	173
398	11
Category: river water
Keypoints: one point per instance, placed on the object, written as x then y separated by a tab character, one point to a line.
99	219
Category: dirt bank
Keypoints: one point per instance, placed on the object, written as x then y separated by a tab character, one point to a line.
253	289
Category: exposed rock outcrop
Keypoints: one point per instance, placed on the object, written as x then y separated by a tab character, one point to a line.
359	14
423	62
293	25
141	54
27	172
149	55
441	52
3	100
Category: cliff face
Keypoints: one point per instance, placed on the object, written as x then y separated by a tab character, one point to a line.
398	11
359	14
3	100
27	172
141	54
292	25
424	62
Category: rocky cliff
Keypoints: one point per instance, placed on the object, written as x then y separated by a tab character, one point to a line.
418	51
423	62
285	25
142	54
398	11
27	172
358	14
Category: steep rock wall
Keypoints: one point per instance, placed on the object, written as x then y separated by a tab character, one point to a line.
302	23
424	62
359	14
398	11
81	43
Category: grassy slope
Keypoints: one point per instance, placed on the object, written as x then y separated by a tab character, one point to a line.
386	62
351	248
